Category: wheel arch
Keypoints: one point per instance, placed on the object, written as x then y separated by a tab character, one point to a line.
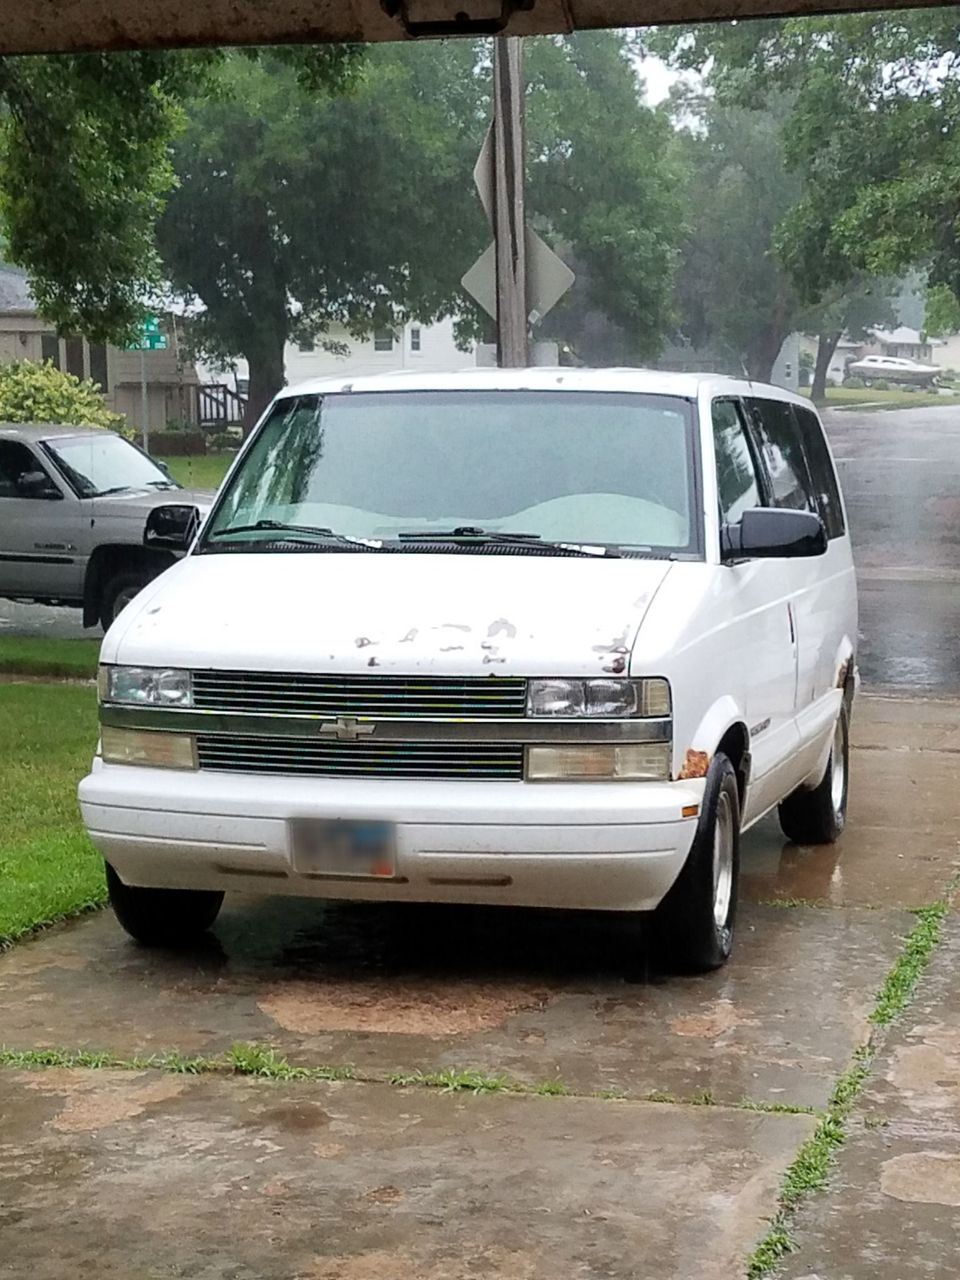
722	729
111	558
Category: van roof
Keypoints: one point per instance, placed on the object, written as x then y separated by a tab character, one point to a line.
651	381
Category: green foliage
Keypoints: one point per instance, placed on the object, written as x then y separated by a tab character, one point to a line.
913	960
733	295
941	311
31	392
281	231
854	383
48	868
46	656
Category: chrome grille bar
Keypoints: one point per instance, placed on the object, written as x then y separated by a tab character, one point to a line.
304	694
310	757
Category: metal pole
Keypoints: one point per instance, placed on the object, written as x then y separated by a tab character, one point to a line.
509	215
145	427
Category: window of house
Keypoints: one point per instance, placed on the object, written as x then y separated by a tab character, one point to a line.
306	345
415	338
737	484
822	473
74	348
98	364
383	340
778	436
50	348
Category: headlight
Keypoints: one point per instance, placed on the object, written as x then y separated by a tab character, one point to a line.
145	686
155	749
613	699
631	762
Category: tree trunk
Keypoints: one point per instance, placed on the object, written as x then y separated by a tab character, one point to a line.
760	358
266	379
826	346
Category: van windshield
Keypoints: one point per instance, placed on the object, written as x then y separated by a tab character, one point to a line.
606	469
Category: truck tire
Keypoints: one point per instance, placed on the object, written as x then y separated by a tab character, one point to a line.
695	921
119	590
817	815
162	917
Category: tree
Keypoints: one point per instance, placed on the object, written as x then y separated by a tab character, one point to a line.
295	212
873	133
941	315
733	294
854	308
84	168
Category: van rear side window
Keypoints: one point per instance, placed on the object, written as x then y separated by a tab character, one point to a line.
822	473
778	435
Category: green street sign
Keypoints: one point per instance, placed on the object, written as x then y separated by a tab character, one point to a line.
151	338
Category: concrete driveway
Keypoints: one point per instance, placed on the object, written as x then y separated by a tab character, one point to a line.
355	1093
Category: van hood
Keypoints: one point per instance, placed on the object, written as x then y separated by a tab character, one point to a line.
402	613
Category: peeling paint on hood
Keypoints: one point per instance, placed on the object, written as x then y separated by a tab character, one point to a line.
419	613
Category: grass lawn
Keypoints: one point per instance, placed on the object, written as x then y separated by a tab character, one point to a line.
892	399
43	656
48	867
204	472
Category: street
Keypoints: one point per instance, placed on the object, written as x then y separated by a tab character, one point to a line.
353	1092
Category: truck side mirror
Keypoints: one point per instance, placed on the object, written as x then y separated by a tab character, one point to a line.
171	527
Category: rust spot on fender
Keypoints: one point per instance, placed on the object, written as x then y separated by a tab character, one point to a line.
695	765
617	666
372	662
362	642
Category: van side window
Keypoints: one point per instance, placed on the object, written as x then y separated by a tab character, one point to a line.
736	471
781	449
822	473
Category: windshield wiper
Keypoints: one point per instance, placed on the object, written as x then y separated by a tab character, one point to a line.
318	533
472	534
117	488
162	484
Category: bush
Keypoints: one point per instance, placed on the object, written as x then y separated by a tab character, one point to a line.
178	444
224	440
880	384
854	383
31	392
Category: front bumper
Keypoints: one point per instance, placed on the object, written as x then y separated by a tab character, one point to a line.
603	846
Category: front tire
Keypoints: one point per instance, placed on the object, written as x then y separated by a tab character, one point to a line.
119	591
818	815
695	921
162	917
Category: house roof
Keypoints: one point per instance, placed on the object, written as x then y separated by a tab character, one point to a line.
15	295
905	336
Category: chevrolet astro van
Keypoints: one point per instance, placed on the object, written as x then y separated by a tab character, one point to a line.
545	637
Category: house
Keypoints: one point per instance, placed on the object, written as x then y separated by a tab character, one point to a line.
430	348
173	392
902	342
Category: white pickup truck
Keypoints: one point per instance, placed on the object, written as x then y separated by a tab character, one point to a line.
73	509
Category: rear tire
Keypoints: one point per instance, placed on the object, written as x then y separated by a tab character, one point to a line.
162	917
119	591
695	921
817	815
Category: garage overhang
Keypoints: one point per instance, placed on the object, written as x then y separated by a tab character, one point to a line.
60	26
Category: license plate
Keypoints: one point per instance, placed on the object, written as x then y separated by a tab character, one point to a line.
339	847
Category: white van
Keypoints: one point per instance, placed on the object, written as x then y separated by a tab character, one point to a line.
548	637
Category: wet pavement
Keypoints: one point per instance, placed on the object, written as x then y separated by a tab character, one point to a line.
662	1158
900	471
894	1206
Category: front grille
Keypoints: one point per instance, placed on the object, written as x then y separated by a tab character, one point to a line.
311	757
278	693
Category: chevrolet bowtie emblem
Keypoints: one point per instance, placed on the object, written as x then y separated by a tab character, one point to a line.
347	729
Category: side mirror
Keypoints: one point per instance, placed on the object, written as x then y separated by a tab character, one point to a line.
172	527
37	484
773	533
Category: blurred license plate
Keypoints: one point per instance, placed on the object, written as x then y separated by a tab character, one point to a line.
335	847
